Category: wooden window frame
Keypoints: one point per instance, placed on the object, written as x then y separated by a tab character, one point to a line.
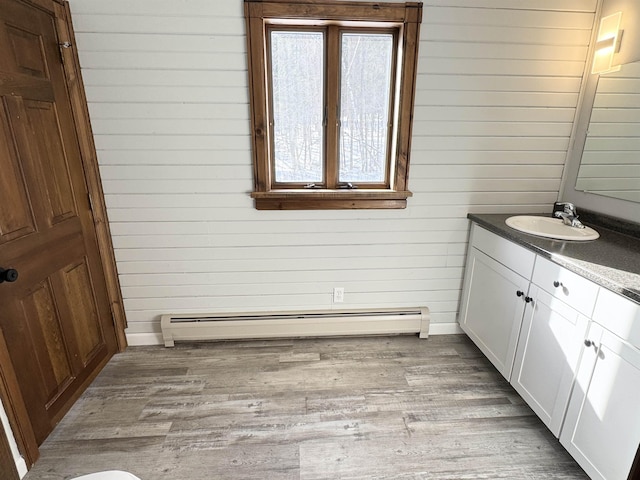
260	15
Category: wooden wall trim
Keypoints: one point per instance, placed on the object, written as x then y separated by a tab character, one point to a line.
80	112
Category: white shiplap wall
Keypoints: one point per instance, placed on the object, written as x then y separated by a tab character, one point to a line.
166	82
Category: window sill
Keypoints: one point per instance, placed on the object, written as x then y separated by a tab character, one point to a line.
330	199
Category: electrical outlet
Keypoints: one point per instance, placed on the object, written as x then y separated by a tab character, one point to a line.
338	295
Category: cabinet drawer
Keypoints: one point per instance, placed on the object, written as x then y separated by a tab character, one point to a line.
618	315
512	256
574	290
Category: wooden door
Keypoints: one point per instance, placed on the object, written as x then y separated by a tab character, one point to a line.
55	317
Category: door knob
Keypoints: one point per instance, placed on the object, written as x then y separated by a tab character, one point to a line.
8	275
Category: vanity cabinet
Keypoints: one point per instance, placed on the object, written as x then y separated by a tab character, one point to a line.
547	355
570	348
551	339
495	288
602	425
528	316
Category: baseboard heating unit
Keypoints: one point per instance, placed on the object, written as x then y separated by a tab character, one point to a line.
254	325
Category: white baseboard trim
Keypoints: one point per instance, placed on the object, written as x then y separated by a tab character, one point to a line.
451	328
21	466
142	339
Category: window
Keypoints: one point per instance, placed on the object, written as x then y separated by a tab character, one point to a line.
331	93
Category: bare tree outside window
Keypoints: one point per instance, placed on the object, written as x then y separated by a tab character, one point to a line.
365	92
297	78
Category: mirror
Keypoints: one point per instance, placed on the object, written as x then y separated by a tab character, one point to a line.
610	164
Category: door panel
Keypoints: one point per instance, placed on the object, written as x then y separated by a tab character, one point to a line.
43	119
16	219
79	295
56	317
27	51
41	317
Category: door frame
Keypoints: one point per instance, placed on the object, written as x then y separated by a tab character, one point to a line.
9	388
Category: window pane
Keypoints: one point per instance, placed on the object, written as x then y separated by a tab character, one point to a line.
365	89
297	82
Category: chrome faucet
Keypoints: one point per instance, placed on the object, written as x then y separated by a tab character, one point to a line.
568	215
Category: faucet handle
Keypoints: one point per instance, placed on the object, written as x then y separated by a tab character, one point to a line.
567	207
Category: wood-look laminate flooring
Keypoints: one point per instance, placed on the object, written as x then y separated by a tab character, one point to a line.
337	408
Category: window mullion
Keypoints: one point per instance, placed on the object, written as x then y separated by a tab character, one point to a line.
332	99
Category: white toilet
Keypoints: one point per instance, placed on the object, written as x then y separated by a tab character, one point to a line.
110	475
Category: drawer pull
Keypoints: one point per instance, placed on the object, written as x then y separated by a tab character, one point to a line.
557	284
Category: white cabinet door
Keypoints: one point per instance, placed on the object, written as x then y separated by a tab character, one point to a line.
602	426
491	311
551	339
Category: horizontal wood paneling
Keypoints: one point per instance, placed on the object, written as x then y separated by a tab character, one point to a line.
113	126
168	78
498	84
547	5
297	288
288	226
518	67
155	24
177	94
137	42
303	252
507	99
175	111
171	8
293	239
489	113
508	34
173	142
508	17
272	278
489	143
167	60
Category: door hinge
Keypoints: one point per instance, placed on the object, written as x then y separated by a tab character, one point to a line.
62	46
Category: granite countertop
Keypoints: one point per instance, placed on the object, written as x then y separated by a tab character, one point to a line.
612	261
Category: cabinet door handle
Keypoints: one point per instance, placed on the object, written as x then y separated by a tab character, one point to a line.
520	293
589	343
557	284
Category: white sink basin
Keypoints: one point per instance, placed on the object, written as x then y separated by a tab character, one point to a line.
550	228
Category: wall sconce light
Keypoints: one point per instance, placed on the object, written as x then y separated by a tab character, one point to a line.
607	44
